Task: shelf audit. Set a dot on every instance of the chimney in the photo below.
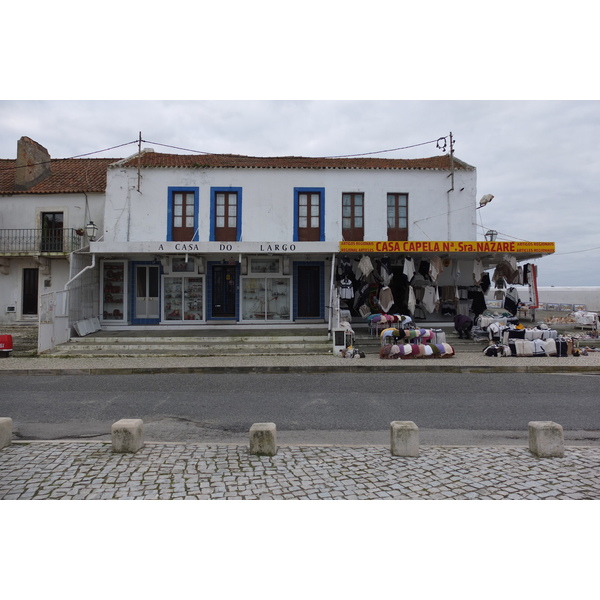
(33, 164)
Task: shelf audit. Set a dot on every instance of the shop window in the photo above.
(265, 292)
(183, 215)
(183, 298)
(397, 217)
(309, 208)
(353, 217)
(226, 210)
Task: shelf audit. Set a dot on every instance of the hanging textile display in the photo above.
(346, 289)
(456, 271)
(344, 268)
(385, 270)
(477, 271)
(366, 266)
(430, 298)
(485, 282)
(408, 268)
(361, 295)
(435, 267)
(386, 299)
(412, 300)
(511, 300)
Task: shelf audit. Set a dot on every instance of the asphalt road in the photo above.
(307, 408)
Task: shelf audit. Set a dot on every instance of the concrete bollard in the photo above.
(263, 439)
(546, 439)
(5, 432)
(404, 438)
(127, 435)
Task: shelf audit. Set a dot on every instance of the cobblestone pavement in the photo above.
(91, 471)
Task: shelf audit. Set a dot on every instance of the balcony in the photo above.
(15, 242)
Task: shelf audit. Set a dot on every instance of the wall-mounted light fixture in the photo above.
(491, 235)
(91, 230)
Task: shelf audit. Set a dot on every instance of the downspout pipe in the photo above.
(331, 296)
(81, 272)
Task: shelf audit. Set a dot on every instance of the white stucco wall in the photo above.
(268, 201)
(24, 211)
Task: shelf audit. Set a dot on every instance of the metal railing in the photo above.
(36, 241)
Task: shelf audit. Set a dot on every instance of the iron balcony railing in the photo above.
(36, 241)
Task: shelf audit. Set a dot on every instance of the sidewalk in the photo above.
(90, 471)
(465, 362)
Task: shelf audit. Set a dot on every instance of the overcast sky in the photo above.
(540, 159)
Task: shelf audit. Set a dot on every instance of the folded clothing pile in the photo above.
(391, 351)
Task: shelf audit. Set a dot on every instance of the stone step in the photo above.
(67, 351)
(202, 340)
(186, 345)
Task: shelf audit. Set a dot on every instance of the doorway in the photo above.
(30, 292)
(223, 291)
(147, 292)
(52, 232)
(308, 284)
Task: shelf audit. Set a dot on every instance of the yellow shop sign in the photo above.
(485, 247)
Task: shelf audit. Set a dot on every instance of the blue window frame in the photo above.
(183, 204)
(309, 214)
(225, 214)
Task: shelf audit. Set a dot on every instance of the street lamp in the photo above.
(91, 229)
(491, 235)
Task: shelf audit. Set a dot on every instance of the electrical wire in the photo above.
(177, 147)
(505, 235)
(383, 151)
(105, 150)
(205, 152)
(576, 251)
(46, 162)
(336, 156)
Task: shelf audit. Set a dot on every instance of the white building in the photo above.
(45, 205)
(204, 240)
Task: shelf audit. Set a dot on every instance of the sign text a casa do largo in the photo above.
(427, 246)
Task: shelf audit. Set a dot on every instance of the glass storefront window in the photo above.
(183, 299)
(266, 298)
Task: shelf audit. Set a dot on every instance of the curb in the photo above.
(350, 368)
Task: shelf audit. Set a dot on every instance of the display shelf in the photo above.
(113, 294)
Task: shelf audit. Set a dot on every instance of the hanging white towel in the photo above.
(477, 271)
(412, 301)
(409, 268)
(365, 265)
(429, 294)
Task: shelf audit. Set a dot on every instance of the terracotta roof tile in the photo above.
(68, 175)
(216, 161)
(76, 175)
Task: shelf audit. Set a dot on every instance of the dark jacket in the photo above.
(461, 322)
